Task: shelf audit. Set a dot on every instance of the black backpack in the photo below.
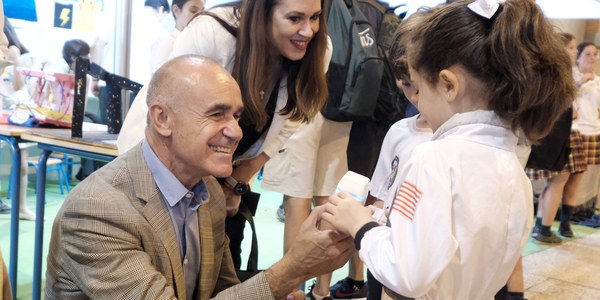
(361, 83)
(391, 102)
(356, 66)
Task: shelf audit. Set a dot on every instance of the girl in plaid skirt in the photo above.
(587, 103)
(562, 178)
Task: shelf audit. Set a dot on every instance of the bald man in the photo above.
(150, 224)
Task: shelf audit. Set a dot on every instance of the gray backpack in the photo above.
(356, 67)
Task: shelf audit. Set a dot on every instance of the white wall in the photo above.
(46, 41)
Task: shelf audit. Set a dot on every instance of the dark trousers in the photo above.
(374, 287)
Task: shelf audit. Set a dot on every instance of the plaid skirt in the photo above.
(577, 162)
(591, 146)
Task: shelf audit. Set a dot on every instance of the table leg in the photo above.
(40, 187)
(15, 183)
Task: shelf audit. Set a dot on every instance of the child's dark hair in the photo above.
(566, 37)
(74, 49)
(515, 54)
(156, 4)
(397, 54)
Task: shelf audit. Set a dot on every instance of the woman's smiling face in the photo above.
(293, 24)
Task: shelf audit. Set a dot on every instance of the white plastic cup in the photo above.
(354, 184)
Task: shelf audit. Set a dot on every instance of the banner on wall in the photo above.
(86, 19)
(63, 15)
(20, 9)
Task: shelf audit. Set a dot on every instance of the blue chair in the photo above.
(56, 162)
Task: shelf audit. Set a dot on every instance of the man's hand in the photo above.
(232, 201)
(296, 295)
(314, 252)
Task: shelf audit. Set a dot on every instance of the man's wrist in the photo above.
(238, 187)
(280, 280)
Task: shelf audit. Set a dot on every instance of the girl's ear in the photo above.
(176, 10)
(448, 84)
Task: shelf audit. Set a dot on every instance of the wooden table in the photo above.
(98, 145)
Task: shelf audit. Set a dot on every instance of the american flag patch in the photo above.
(407, 199)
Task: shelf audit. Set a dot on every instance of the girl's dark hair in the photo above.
(11, 35)
(582, 46)
(180, 4)
(74, 48)
(397, 54)
(306, 82)
(516, 55)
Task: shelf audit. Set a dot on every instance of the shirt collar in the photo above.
(171, 188)
(480, 126)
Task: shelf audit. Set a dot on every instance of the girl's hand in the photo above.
(13, 55)
(346, 214)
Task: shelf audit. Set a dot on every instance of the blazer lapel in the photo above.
(207, 253)
(157, 215)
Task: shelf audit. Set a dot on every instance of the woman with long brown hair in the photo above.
(277, 52)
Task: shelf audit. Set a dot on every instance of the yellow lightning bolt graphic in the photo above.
(64, 16)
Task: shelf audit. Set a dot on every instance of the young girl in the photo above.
(463, 204)
(11, 86)
(587, 105)
(402, 137)
(183, 11)
(562, 183)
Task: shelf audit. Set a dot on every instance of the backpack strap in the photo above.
(252, 265)
(232, 30)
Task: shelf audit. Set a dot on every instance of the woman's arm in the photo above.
(13, 55)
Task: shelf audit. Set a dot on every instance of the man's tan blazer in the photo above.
(113, 239)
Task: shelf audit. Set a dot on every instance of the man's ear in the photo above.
(448, 84)
(161, 119)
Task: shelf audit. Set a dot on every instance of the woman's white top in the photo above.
(587, 104)
(206, 37)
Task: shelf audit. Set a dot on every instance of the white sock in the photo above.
(319, 297)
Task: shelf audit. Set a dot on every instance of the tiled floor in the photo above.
(565, 272)
(568, 271)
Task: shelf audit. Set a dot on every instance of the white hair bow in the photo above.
(485, 8)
